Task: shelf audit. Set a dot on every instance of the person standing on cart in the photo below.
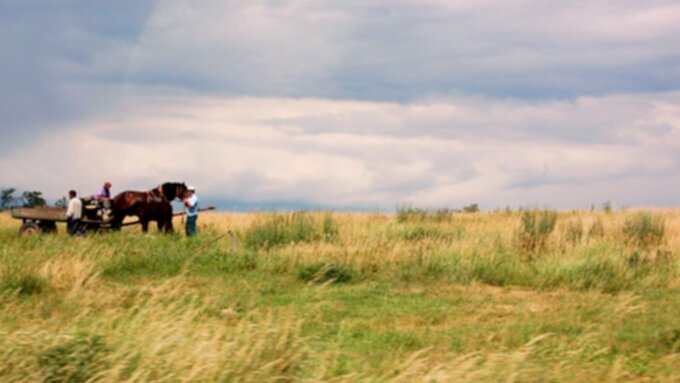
(73, 212)
(191, 207)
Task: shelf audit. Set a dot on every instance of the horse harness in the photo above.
(156, 195)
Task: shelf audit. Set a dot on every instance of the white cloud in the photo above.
(437, 153)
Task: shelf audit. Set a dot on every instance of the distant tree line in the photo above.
(32, 198)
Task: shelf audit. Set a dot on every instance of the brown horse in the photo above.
(151, 205)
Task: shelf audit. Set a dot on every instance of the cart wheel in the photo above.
(90, 228)
(29, 228)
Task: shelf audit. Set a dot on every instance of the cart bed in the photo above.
(56, 214)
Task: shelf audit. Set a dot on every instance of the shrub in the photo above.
(418, 233)
(442, 266)
(75, 360)
(573, 232)
(146, 264)
(472, 208)
(413, 214)
(408, 213)
(324, 272)
(535, 230)
(644, 230)
(330, 227)
(281, 229)
(415, 234)
(23, 282)
(596, 274)
(596, 229)
(220, 262)
(498, 270)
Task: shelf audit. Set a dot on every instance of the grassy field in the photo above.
(419, 296)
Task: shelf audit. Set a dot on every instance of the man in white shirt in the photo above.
(73, 212)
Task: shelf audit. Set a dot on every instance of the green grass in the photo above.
(22, 282)
(277, 229)
(314, 297)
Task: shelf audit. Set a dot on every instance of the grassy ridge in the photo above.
(349, 297)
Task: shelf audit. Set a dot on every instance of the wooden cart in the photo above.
(44, 220)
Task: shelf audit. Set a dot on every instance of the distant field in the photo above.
(414, 297)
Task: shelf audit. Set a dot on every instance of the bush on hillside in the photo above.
(573, 232)
(596, 229)
(644, 230)
(536, 227)
(414, 214)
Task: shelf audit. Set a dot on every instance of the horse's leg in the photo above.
(168, 224)
(145, 224)
(168, 219)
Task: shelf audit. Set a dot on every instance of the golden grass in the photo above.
(265, 325)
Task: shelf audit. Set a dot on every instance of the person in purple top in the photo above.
(104, 198)
(104, 193)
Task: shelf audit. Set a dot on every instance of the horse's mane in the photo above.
(172, 190)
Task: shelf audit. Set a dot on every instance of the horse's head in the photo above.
(172, 190)
(181, 190)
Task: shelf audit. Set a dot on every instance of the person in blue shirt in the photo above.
(191, 207)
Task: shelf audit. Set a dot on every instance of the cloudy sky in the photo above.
(353, 104)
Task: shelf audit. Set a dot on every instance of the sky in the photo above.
(352, 105)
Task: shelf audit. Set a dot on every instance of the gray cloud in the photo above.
(51, 71)
(350, 103)
(406, 50)
(74, 60)
(377, 50)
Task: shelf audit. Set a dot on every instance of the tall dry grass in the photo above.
(378, 300)
(161, 334)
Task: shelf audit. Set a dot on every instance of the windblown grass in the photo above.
(348, 297)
